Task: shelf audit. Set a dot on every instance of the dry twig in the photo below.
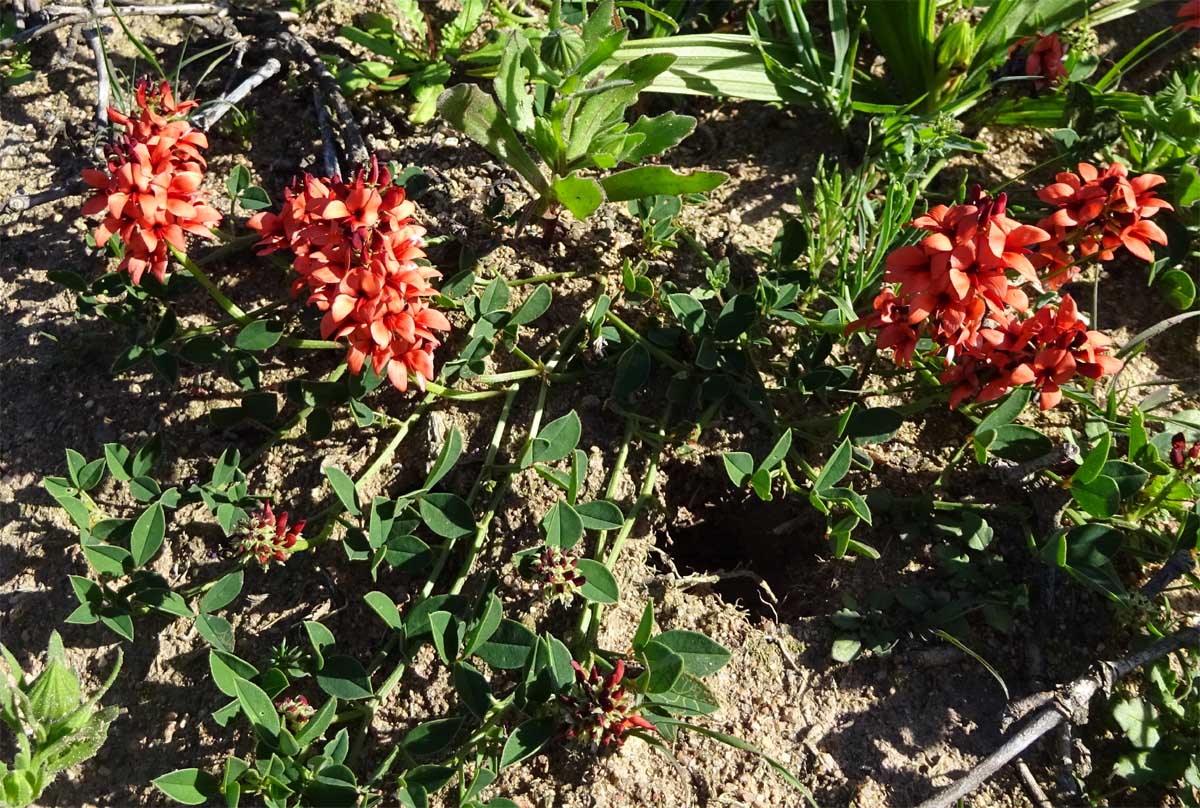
(1070, 703)
(352, 139)
(206, 118)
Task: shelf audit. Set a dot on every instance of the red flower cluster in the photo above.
(1097, 213)
(266, 537)
(600, 710)
(1046, 350)
(150, 191)
(1045, 60)
(355, 247)
(961, 288)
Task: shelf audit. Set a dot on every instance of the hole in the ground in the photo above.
(741, 539)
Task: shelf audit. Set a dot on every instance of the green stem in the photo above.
(234, 245)
(589, 621)
(312, 344)
(249, 461)
(227, 305)
(382, 459)
(658, 352)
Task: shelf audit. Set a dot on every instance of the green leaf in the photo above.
(633, 369)
(216, 631)
(738, 314)
(665, 667)
(107, 559)
(739, 466)
(835, 469)
(383, 606)
(1138, 720)
(1017, 443)
(148, 533)
(223, 592)
(472, 688)
(580, 195)
(778, 452)
(1129, 477)
(1100, 497)
(474, 113)
(1094, 461)
(431, 737)
(557, 439)
(447, 457)
(1178, 287)
(164, 600)
(343, 486)
(873, 425)
(1006, 411)
(846, 648)
(146, 457)
(258, 707)
(117, 458)
(688, 310)
(600, 514)
(189, 786)
(444, 628)
(509, 647)
(661, 133)
(525, 741)
(259, 335)
(645, 627)
(345, 678)
(447, 515)
(226, 669)
(599, 584)
(701, 656)
(563, 526)
(495, 296)
(637, 183)
(510, 84)
(483, 628)
(537, 304)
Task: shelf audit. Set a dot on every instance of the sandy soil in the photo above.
(879, 731)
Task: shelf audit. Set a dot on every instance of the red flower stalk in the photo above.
(600, 710)
(1046, 350)
(558, 573)
(149, 191)
(1045, 60)
(1181, 454)
(355, 248)
(1100, 213)
(961, 288)
(1189, 17)
(266, 538)
(956, 278)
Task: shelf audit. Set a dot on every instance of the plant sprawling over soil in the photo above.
(483, 369)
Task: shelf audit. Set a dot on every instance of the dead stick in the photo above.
(1031, 785)
(352, 139)
(217, 110)
(328, 148)
(20, 202)
(1073, 699)
(92, 35)
(69, 15)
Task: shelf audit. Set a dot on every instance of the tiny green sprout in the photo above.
(55, 725)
